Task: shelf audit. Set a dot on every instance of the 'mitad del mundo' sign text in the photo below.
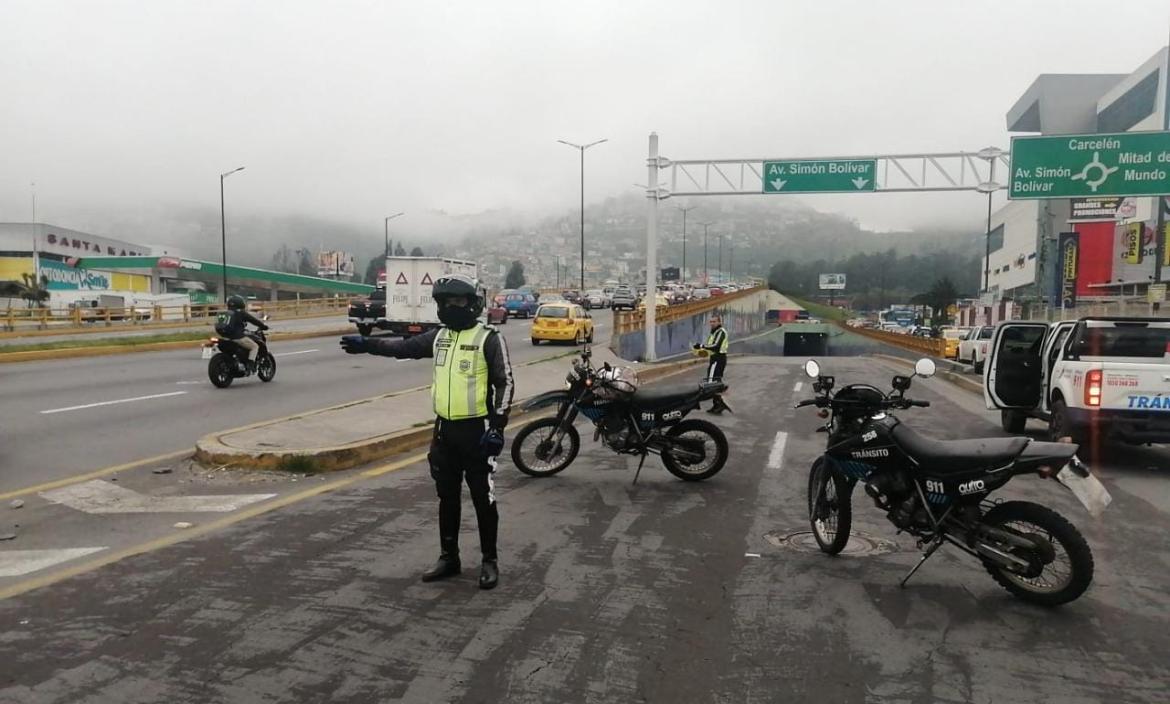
(1086, 165)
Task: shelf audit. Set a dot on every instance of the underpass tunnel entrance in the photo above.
(806, 344)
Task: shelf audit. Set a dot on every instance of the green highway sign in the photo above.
(820, 176)
(1073, 166)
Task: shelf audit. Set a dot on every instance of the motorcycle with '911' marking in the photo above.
(937, 491)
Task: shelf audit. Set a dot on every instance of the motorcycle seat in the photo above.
(666, 396)
(958, 456)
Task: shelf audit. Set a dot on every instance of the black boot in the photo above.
(447, 566)
(251, 367)
(489, 575)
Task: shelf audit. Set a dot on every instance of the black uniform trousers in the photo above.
(456, 457)
(715, 366)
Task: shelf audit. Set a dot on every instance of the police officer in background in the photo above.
(716, 346)
(471, 389)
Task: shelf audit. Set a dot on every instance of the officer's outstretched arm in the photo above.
(416, 347)
(495, 350)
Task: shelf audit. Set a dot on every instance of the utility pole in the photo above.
(705, 226)
(683, 273)
(720, 268)
(581, 148)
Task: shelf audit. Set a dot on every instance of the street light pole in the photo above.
(581, 148)
(720, 269)
(705, 275)
(731, 260)
(386, 222)
(223, 230)
(683, 274)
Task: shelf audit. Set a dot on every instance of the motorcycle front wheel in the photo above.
(221, 370)
(537, 452)
(1061, 565)
(697, 450)
(266, 367)
(829, 510)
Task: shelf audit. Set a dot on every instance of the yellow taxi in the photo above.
(953, 336)
(562, 322)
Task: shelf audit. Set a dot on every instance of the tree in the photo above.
(306, 267)
(284, 259)
(939, 297)
(399, 250)
(372, 270)
(417, 252)
(515, 276)
(35, 292)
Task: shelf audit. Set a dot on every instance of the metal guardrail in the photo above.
(936, 347)
(633, 320)
(74, 318)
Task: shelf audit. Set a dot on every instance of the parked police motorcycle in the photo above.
(229, 363)
(627, 419)
(938, 490)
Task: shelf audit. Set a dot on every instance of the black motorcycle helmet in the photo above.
(454, 317)
(236, 303)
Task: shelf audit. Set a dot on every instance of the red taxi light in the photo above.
(1093, 388)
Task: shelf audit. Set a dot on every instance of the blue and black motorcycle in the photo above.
(627, 419)
(939, 490)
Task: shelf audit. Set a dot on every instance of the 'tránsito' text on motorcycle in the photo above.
(228, 364)
(938, 491)
(628, 420)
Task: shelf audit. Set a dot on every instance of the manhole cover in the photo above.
(859, 545)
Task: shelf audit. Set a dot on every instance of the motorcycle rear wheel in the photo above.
(266, 367)
(535, 453)
(714, 450)
(1060, 579)
(830, 513)
(221, 370)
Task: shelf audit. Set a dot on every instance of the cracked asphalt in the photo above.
(663, 591)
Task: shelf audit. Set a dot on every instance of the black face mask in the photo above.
(457, 317)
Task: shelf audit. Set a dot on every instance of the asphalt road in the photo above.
(64, 417)
(326, 322)
(663, 591)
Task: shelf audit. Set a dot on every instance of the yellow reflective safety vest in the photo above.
(718, 341)
(459, 385)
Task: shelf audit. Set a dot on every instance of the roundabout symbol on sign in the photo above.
(1097, 164)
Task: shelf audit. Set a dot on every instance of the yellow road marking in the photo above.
(96, 474)
(201, 529)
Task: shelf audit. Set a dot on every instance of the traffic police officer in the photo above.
(471, 389)
(716, 346)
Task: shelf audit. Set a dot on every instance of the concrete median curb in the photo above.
(104, 350)
(212, 450)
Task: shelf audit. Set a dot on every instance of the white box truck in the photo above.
(409, 308)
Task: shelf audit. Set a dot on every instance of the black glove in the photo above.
(263, 327)
(696, 346)
(355, 344)
(492, 442)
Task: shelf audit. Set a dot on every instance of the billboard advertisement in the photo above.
(1100, 209)
(832, 282)
(335, 264)
(1069, 253)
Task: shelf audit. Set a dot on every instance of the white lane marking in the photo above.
(289, 354)
(112, 403)
(799, 385)
(751, 554)
(776, 456)
(188, 383)
(14, 563)
(100, 496)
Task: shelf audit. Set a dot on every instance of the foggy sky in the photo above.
(356, 110)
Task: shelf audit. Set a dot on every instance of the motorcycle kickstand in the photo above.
(639, 472)
(935, 545)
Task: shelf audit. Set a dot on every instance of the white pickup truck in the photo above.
(973, 348)
(1095, 379)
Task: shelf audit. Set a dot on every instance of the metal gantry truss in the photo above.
(896, 173)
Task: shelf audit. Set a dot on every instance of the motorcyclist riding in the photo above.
(233, 326)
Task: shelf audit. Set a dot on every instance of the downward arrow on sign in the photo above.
(778, 184)
(860, 182)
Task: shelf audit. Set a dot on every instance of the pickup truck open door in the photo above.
(1013, 377)
(1054, 346)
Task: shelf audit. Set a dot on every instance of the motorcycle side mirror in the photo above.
(924, 368)
(811, 369)
(900, 383)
